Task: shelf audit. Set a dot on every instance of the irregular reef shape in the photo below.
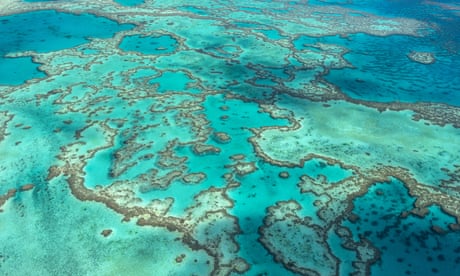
(225, 143)
(296, 242)
(149, 45)
(383, 217)
(361, 137)
(422, 57)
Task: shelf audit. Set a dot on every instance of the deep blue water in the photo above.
(383, 72)
(408, 246)
(46, 31)
(170, 87)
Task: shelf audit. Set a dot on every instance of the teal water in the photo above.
(174, 81)
(129, 3)
(385, 75)
(48, 30)
(229, 138)
(407, 245)
(375, 75)
(16, 71)
(193, 9)
(154, 45)
(45, 31)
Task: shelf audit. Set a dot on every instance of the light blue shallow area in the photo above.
(32, 146)
(45, 31)
(260, 189)
(271, 34)
(45, 224)
(149, 45)
(129, 3)
(174, 81)
(408, 246)
(47, 231)
(32, 1)
(49, 30)
(333, 173)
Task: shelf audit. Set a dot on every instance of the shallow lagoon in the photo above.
(258, 138)
(46, 31)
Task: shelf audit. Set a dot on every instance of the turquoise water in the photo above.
(16, 71)
(193, 9)
(174, 81)
(272, 34)
(239, 138)
(45, 31)
(129, 3)
(375, 77)
(50, 222)
(153, 45)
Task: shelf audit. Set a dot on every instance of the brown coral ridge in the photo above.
(355, 186)
(335, 204)
(222, 137)
(12, 193)
(296, 242)
(8, 195)
(187, 226)
(321, 90)
(242, 168)
(206, 224)
(452, 184)
(194, 178)
(435, 113)
(364, 23)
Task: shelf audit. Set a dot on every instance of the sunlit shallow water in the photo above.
(255, 138)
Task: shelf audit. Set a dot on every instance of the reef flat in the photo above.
(229, 137)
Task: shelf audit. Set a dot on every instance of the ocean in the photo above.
(265, 137)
